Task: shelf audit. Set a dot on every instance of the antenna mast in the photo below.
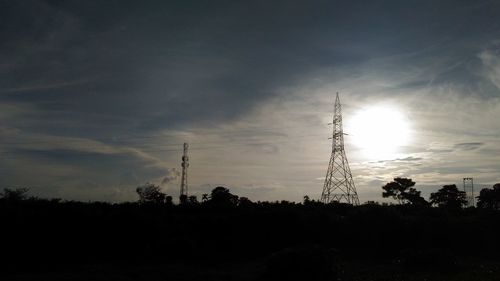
(185, 165)
(339, 185)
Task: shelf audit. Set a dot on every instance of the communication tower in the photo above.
(185, 165)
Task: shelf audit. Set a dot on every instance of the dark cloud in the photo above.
(440, 150)
(165, 63)
(405, 159)
(468, 145)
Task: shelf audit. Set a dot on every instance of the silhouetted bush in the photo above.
(14, 195)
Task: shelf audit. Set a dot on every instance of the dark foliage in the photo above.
(193, 199)
(150, 193)
(489, 198)
(245, 202)
(401, 189)
(449, 197)
(14, 195)
(183, 199)
(221, 197)
(242, 240)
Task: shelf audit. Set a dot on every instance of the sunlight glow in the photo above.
(379, 131)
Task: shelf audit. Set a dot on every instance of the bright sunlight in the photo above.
(379, 131)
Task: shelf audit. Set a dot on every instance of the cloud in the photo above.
(468, 145)
(43, 86)
(48, 143)
(405, 159)
(490, 59)
(171, 175)
(100, 96)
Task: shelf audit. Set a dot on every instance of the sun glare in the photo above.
(379, 131)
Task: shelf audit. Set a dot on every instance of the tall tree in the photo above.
(150, 193)
(221, 197)
(489, 198)
(449, 197)
(401, 189)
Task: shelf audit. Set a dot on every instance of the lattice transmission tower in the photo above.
(469, 191)
(185, 165)
(339, 185)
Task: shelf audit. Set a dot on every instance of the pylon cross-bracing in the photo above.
(339, 185)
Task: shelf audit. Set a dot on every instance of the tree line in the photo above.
(400, 189)
(287, 240)
(449, 196)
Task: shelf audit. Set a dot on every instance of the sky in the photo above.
(97, 97)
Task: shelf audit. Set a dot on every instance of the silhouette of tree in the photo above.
(449, 197)
(489, 198)
(401, 189)
(244, 202)
(193, 200)
(307, 200)
(15, 195)
(413, 197)
(169, 200)
(150, 193)
(183, 199)
(221, 197)
(204, 197)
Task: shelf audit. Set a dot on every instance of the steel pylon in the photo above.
(339, 185)
(469, 191)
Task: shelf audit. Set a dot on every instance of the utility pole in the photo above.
(339, 185)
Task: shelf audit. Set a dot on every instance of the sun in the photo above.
(379, 131)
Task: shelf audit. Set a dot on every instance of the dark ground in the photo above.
(49, 240)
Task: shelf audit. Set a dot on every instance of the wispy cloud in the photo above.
(490, 59)
(469, 145)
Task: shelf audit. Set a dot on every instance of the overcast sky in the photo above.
(97, 97)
